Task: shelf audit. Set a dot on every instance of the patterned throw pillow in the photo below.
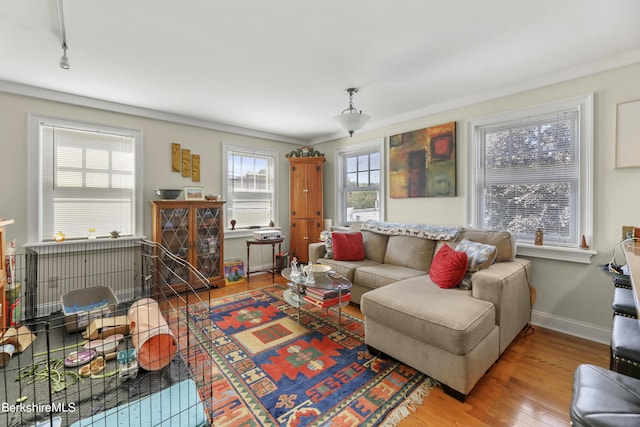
(448, 267)
(480, 256)
(325, 236)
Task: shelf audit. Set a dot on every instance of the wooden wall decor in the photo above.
(195, 167)
(175, 157)
(183, 161)
(186, 162)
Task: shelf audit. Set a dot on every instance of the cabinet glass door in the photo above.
(174, 234)
(208, 241)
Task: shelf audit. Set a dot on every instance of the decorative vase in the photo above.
(233, 224)
(539, 237)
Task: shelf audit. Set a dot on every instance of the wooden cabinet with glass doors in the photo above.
(190, 232)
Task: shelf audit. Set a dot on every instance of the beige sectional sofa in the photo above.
(453, 335)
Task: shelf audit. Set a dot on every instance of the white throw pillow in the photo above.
(325, 236)
(479, 255)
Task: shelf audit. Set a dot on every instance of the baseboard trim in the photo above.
(571, 327)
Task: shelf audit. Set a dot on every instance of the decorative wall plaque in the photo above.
(195, 167)
(175, 157)
(186, 162)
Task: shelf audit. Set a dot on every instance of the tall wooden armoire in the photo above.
(306, 214)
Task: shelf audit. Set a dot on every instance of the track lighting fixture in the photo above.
(64, 60)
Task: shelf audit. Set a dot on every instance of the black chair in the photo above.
(623, 303)
(625, 346)
(604, 398)
(622, 282)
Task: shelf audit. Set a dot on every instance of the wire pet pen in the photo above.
(44, 384)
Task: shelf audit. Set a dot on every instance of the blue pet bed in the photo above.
(178, 405)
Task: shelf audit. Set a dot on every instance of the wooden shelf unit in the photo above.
(306, 204)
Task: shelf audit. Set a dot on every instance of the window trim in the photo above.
(226, 147)
(34, 170)
(584, 104)
(339, 216)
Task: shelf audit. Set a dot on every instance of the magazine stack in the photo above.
(326, 297)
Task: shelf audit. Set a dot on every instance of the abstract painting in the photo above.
(422, 163)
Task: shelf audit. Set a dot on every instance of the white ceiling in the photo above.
(280, 67)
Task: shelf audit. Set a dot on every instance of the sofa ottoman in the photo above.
(442, 332)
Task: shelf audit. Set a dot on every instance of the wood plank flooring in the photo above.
(530, 385)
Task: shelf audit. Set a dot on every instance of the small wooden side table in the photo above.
(273, 243)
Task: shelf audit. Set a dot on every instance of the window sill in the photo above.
(559, 253)
(77, 245)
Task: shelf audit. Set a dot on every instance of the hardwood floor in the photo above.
(530, 385)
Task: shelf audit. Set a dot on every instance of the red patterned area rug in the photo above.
(255, 365)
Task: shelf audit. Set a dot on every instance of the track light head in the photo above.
(64, 60)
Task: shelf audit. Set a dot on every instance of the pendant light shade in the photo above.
(351, 120)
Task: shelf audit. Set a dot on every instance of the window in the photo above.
(532, 169)
(250, 191)
(83, 177)
(360, 178)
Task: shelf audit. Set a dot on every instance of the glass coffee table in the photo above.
(328, 290)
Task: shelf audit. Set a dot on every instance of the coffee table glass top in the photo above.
(322, 280)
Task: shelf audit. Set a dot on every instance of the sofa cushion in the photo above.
(347, 246)
(375, 245)
(447, 318)
(346, 268)
(448, 267)
(479, 255)
(504, 242)
(412, 252)
(377, 275)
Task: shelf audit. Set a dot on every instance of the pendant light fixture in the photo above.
(64, 60)
(351, 120)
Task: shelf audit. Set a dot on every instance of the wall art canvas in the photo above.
(422, 163)
(628, 134)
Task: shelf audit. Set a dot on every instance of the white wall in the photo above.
(575, 298)
(158, 136)
(572, 297)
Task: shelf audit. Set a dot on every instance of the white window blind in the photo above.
(250, 187)
(87, 181)
(528, 176)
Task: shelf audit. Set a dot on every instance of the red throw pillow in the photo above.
(448, 267)
(347, 246)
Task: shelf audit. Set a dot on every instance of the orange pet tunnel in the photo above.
(150, 334)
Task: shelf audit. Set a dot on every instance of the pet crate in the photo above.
(45, 382)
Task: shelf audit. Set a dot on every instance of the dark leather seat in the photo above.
(622, 282)
(604, 398)
(623, 303)
(625, 346)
